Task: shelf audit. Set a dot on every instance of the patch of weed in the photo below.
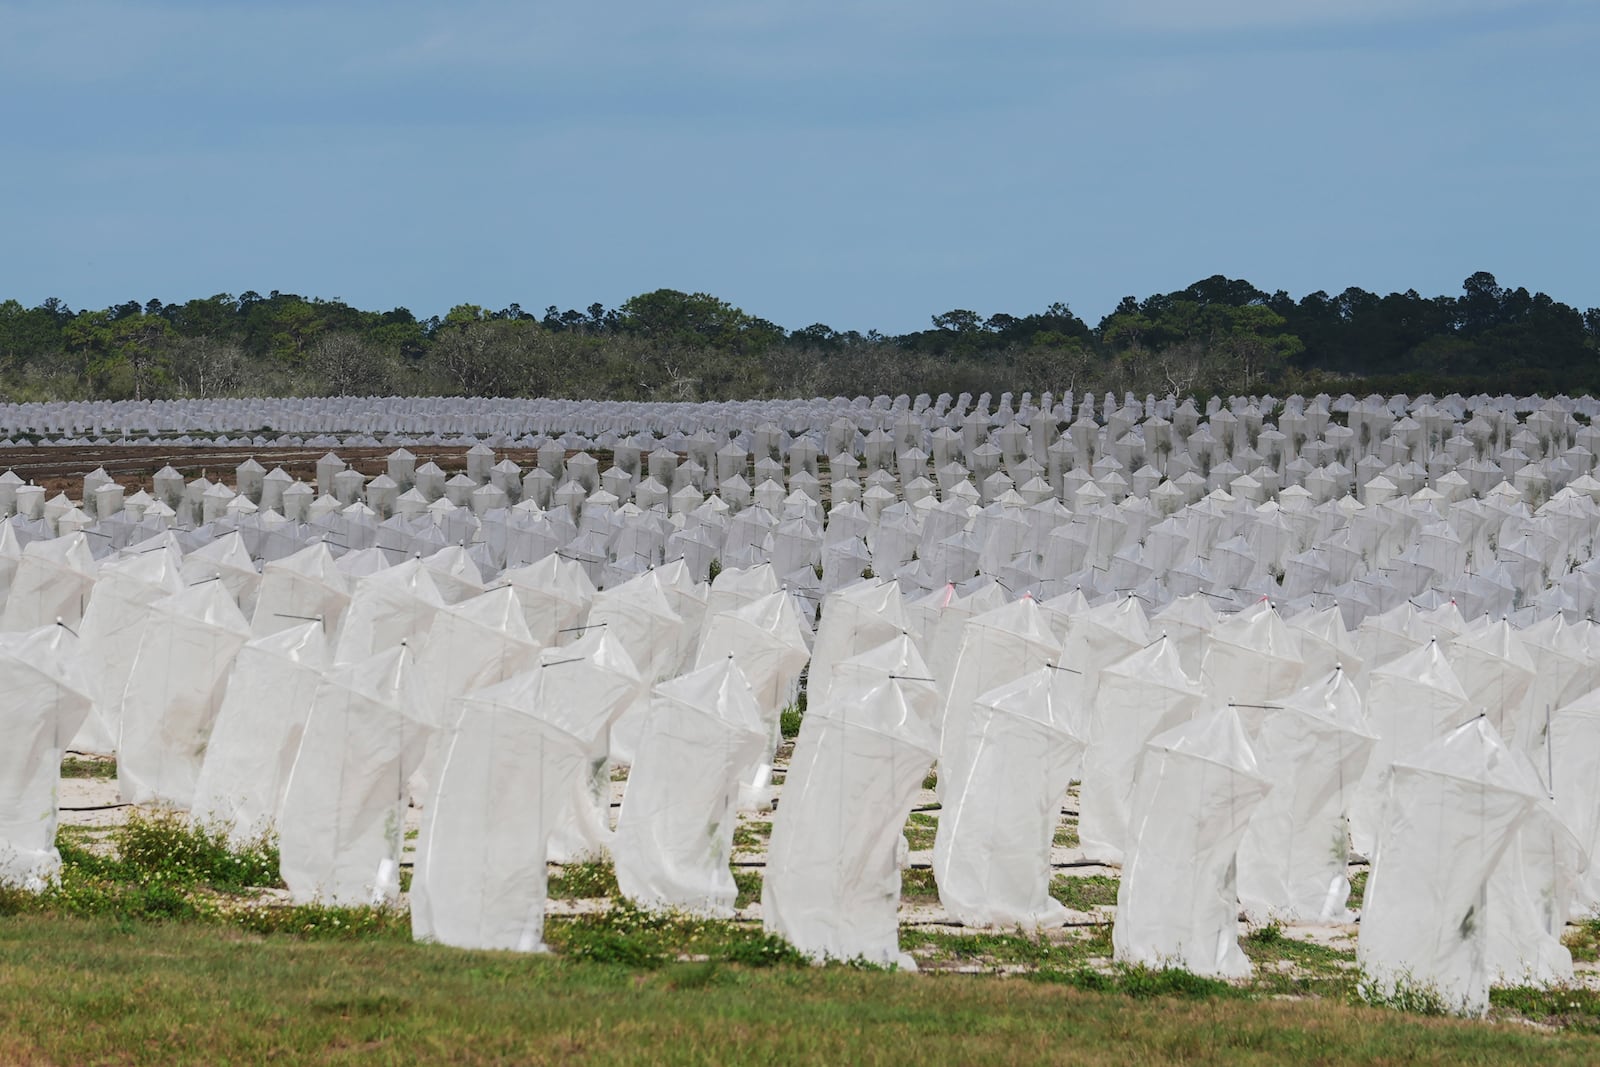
(921, 828)
(1570, 1007)
(748, 883)
(918, 884)
(75, 767)
(751, 835)
(585, 881)
(1085, 892)
(645, 939)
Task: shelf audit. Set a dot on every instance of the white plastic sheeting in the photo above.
(340, 833)
(53, 581)
(675, 831)
(470, 644)
(767, 640)
(394, 605)
(1412, 701)
(44, 699)
(1252, 660)
(1530, 899)
(1571, 758)
(555, 594)
(1177, 904)
(638, 614)
(991, 853)
(175, 689)
(517, 750)
(1453, 808)
(302, 587)
(1293, 859)
(856, 618)
(257, 733)
(113, 625)
(1140, 696)
(832, 885)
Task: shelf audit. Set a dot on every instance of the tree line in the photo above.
(1219, 335)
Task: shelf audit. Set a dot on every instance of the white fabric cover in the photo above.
(227, 560)
(1572, 761)
(53, 581)
(855, 619)
(394, 605)
(675, 832)
(638, 614)
(300, 588)
(555, 594)
(1177, 904)
(1452, 810)
(767, 640)
(1252, 661)
(44, 699)
(1412, 701)
(340, 833)
(832, 886)
(1139, 697)
(257, 732)
(1294, 855)
(469, 645)
(991, 853)
(113, 625)
(517, 750)
(174, 691)
(1530, 898)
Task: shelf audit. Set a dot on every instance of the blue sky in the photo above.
(864, 164)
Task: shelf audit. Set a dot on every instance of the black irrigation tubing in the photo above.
(95, 807)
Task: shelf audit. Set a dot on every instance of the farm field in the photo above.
(211, 967)
(104, 991)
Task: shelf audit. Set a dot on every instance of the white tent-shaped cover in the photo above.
(257, 733)
(1412, 701)
(344, 805)
(44, 699)
(302, 587)
(675, 832)
(991, 854)
(1293, 858)
(1177, 904)
(53, 581)
(1453, 809)
(832, 885)
(394, 605)
(1139, 697)
(517, 751)
(997, 647)
(767, 640)
(174, 692)
(113, 625)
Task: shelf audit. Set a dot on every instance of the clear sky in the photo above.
(862, 163)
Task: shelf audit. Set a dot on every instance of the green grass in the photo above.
(1584, 941)
(1358, 889)
(920, 830)
(751, 835)
(584, 881)
(789, 718)
(74, 767)
(1066, 835)
(86, 991)
(931, 780)
(1084, 892)
(917, 884)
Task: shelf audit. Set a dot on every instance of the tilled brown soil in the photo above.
(61, 469)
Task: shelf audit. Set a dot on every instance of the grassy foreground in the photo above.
(95, 990)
